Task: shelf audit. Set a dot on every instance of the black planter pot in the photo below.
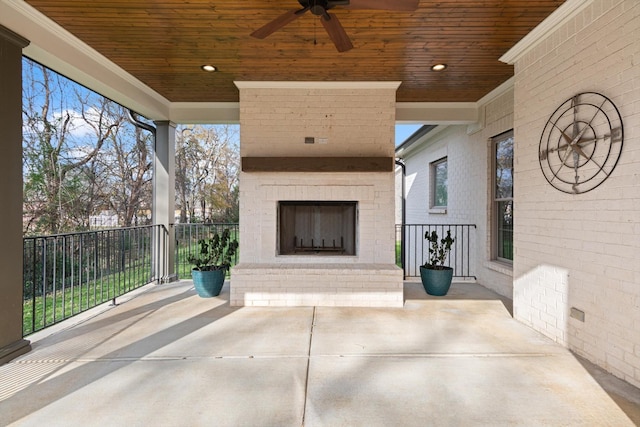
(436, 282)
(208, 283)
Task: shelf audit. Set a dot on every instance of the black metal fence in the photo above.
(66, 274)
(187, 238)
(411, 252)
(412, 249)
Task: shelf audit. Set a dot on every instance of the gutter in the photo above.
(136, 122)
(404, 215)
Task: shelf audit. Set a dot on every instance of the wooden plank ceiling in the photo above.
(164, 42)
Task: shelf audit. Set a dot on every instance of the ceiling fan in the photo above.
(330, 21)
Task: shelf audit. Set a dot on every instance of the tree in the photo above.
(53, 151)
(81, 156)
(207, 166)
(127, 157)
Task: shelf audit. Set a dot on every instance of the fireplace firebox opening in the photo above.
(317, 227)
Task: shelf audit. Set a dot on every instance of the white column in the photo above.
(164, 190)
(11, 342)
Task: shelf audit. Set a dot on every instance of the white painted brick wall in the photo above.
(468, 184)
(345, 285)
(582, 250)
(356, 122)
(260, 193)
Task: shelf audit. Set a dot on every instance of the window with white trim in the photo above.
(502, 195)
(439, 190)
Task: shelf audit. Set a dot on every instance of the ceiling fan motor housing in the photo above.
(319, 7)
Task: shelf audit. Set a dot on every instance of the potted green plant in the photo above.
(436, 277)
(211, 263)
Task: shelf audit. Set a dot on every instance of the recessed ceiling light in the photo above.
(209, 68)
(438, 67)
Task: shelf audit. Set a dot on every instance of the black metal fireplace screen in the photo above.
(317, 227)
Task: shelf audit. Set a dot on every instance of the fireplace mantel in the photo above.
(317, 164)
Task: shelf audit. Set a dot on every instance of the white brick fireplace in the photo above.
(350, 161)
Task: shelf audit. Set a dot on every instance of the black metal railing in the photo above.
(66, 274)
(412, 249)
(187, 237)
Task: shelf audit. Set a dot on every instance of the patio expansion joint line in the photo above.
(438, 355)
(306, 380)
(307, 356)
(150, 359)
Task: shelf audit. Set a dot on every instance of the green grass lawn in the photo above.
(55, 306)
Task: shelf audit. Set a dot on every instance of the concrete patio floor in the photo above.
(169, 358)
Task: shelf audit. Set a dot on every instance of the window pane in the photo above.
(505, 229)
(504, 168)
(440, 191)
(502, 212)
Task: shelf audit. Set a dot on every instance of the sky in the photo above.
(405, 131)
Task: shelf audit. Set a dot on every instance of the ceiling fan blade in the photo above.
(336, 32)
(400, 5)
(278, 23)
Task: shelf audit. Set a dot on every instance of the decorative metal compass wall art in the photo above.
(581, 143)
